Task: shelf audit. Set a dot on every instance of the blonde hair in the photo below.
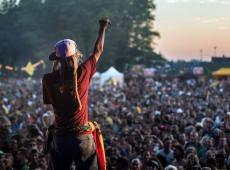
(67, 68)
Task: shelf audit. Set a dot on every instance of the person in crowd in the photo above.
(136, 164)
(140, 123)
(167, 151)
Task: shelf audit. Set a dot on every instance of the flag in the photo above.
(30, 68)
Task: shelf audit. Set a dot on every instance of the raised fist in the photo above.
(105, 22)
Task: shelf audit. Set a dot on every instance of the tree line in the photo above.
(29, 29)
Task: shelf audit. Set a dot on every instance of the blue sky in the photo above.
(189, 26)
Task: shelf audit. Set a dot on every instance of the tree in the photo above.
(32, 27)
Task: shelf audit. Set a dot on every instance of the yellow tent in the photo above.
(222, 72)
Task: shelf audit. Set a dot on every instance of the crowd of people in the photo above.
(148, 123)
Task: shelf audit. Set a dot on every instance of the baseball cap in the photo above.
(63, 49)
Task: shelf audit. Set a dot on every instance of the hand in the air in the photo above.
(105, 22)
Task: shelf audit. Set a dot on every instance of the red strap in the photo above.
(100, 150)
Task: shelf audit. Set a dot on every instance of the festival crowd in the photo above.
(149, 123)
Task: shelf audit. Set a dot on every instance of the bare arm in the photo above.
(99, 45)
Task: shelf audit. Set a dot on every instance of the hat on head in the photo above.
(63, 48)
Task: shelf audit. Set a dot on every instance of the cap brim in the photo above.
(53, 56)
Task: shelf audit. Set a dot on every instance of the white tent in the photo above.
(96, 75)
(112, 75)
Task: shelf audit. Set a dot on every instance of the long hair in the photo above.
(56, 63)
(67, 69)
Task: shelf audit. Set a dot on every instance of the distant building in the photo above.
(221, 60)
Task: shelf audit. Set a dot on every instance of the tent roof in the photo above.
(97, 74)
(222, 72)
(112, 71)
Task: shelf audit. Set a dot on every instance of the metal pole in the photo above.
(201, 54)
(215, 49)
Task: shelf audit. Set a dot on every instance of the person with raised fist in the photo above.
(66, 88)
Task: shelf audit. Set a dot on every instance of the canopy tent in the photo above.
(112, 76)
(222, 72)
(96, 75)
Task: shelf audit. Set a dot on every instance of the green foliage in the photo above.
(29, 30)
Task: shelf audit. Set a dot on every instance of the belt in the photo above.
(78, 130)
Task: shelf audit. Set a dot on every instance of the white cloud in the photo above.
(220, 23)
(177, 1)
(223, 28)
(200, 1)
(209, 20)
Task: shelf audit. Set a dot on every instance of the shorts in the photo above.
(65, 150)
